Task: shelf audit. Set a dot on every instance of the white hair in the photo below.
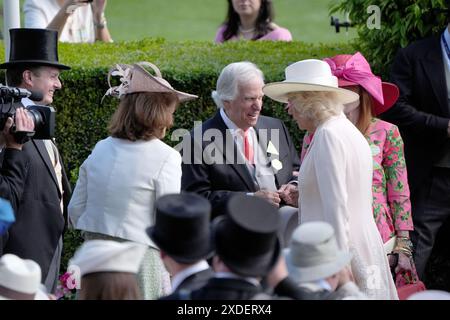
(231, 76)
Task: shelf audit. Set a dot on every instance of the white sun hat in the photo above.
(19, 278)
(308, 75)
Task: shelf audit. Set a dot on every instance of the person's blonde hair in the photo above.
(317, 106)
(143, 116)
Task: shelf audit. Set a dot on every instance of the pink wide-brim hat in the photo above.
(354, 70)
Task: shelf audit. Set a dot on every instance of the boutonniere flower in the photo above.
(273, 154)
(271, 148)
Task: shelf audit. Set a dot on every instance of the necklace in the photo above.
(245, 31)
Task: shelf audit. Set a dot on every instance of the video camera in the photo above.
(42, 116)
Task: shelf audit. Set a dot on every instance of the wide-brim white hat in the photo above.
(313, 253)
(308, 75)
(108, 256)
(19, 278)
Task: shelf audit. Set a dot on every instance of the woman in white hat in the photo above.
(107, 270)
(335, 179)
(120, 181)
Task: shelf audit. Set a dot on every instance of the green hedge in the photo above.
(189, 66)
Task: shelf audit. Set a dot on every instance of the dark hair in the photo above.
(143, 115)
(14, 76)
(262, 26)
(109, 286)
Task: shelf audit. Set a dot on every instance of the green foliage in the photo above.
(193, 67)
(401, 22)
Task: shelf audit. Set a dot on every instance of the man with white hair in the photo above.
(240, 151)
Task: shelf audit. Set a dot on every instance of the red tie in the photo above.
(248, 149)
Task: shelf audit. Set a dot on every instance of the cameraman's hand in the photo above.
(23, 123)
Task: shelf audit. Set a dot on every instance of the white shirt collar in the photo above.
(230, 124)
(231, 275)
(180, 276)
(444, 52)
(27, 102)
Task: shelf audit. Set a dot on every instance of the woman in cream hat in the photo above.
(391, 201)
(335, 179)
(120, 181)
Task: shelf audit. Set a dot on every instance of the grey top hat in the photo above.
(313, 253)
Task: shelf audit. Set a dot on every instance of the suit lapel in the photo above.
(433, 65)
(42, 150)
(230, 149)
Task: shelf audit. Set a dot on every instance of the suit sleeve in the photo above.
(196, 176)
(14, 171)
(405, 113)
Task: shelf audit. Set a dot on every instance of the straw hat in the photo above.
(354, 70)
(308, 75)
(134, 78)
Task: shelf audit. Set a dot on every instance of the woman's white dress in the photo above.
(335, 184)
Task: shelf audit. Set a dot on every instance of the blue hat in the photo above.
(6, 215)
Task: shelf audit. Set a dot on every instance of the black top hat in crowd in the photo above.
(33, 47)
(182, 227)
(246, 237)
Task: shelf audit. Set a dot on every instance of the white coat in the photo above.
(335, 185)
(118, 185)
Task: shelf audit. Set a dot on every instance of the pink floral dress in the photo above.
(391, 203)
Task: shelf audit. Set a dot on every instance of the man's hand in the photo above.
(270, 196)
(289, 194)
(23, 123)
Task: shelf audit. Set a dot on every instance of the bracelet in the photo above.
(102, 23)
(406, 251)
(404, 242)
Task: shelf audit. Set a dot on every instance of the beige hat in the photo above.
(19, 279)
(134, 78)
(313, 253)
(308, 75)
(108, 256)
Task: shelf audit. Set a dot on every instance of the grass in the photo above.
(199, 19)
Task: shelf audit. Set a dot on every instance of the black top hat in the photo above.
(33, 47)
(246, 238)
(182, 227)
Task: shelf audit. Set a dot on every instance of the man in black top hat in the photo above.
(247, 248)
(182, 233)
(40, 218)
